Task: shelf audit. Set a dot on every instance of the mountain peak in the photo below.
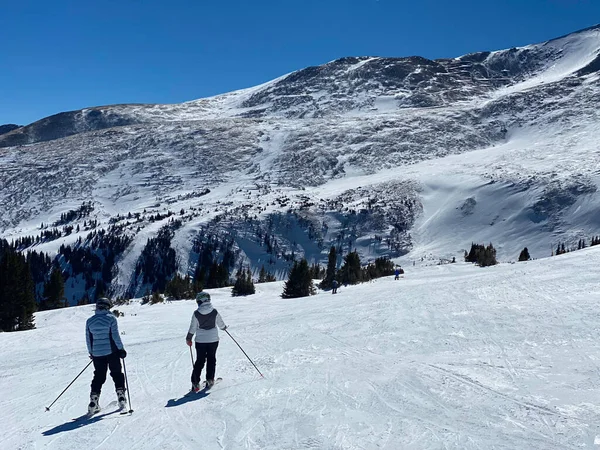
(7, 128)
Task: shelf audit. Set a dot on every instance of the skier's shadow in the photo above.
(202, 394)
(186, 399)
(75, 423)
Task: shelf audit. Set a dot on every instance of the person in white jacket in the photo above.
(205, 321)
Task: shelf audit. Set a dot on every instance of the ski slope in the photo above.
(450, 357)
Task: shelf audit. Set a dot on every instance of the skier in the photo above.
(396, 273)
(334, 285)
(105, 349)
(205, 321)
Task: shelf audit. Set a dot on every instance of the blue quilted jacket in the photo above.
(102, 334)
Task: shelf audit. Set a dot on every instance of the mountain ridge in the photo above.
(93, 118)
(373, 154)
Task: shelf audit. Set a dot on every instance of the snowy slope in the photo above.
(505, 358)
(492, 146)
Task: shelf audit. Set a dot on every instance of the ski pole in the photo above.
(192, 356)
(127, 384)
(88, 365)
(244, 353)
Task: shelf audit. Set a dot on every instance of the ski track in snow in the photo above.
(449, 357)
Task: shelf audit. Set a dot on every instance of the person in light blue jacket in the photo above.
(106, 350)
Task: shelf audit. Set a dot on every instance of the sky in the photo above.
(63, 55)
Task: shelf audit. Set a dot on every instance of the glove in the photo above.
(189, 343)
(91, 357)
(122, 353)
(225, 328)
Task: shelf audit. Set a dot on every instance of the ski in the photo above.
(89, 416)
(204, 388)
(217, 380)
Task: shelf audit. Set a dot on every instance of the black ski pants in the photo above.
(101, 364)
(208, 353)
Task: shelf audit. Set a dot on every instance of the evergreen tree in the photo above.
(54, 291)
(199, 277)
(482, 255)
(218, 276)
(299, 283)
(156, 298)
(316, 272)
(179, 287)
(17, 292)
(524, 255)
(382, 267)
(262, 275)
(330, 271)
(351, 271)
(243, 284)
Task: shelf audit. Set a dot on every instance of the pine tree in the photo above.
(199, 277)
(524, 255)
(299, 283)
(482, 255)
(54, 291)
(243, 284)
(351, 271)
(330, 271)
(249, 283)
(179, 287)
(17, 292)
(262, 275)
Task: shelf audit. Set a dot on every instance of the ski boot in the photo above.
(209, 383)
(94, 405)
(121, 398)
(195, 388)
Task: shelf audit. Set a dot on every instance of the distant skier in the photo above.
(205, 321)
(396, 273)
(334, 286)
(106, 350)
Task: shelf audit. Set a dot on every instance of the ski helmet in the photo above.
(202, 297)
(103, 303)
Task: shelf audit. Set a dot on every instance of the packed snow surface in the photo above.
(448, 357)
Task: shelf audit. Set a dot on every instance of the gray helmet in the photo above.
(202, 297)
(103, 303)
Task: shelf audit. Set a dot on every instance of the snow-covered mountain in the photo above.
(450, 357)
(405, 157)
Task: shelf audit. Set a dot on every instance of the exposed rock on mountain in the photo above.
(391, 156)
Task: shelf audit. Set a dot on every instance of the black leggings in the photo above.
(204, 352)
(101, 363)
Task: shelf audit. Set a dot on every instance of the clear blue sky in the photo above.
(59, 55)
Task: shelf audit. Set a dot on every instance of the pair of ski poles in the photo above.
(88, 365)
(261, 375)
(127, 383)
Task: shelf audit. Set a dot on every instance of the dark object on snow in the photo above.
(524, 255)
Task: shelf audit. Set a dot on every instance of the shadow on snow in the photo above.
(186, 399)
(74, 424)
